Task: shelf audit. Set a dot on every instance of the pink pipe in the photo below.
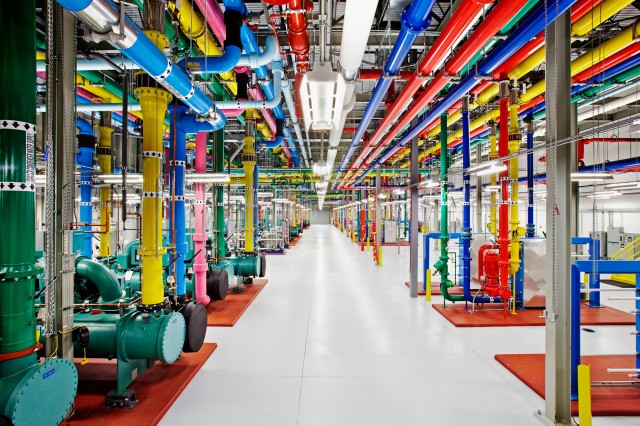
(200, 234)
(213, 14)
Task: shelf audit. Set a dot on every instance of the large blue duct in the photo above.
(415, 19)
(84, 159)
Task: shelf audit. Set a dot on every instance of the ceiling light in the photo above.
(621, 185)
(492, 188)
(398, 191)
(322, 91)
(494, 169)
(320, 168)
(382, 196)
(208, 178)
(591, 176)
(116, 178)
(265, 194)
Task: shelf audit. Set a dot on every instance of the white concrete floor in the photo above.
(334, 340)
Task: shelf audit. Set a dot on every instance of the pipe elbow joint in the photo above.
(411, 24)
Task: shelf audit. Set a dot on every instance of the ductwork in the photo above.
(103, 18)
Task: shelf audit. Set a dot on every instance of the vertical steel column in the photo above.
(413, 226)
(61, 195)
(560, 193)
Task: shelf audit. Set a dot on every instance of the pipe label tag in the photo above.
(49, 373)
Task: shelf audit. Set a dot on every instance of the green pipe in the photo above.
(594, 91)
(25, 384)
(442, 265)
(102, 277)
(518, 16)
(218, 158)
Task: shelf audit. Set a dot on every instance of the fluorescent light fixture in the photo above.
(371, 199)
(116, 178)
(487, 165)
(320, 168)
(322, 185)
(322, 92)
(621, 185)
(398, 191)
(208, 178)
(591, 176)
(599, 197)
(265, 194)
(609, 193)
(494, 169)
(492, 188)
(279, 200)
(382, 196)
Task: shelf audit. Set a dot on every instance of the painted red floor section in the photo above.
(225, 313)
(460, 317)
(401, 244)
(605, 401)
(156, 389)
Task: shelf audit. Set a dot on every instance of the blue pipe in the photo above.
(141, 50)
(415, 19)
(594, 279)
(184, 123)
(177, 158)
(531, 227)
(84, 159)
(525, 32)
(465, 247)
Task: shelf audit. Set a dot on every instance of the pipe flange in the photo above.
(413, 27)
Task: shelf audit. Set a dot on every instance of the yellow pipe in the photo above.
(153, 102)
(427, 287)
(194, 28)
(515, 138)
(493, 154)
(104, 159)
(598, 15)
(249, 164)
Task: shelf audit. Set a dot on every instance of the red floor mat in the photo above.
(605, 401)
(458, 316)
(225, 313)
(293, 242)
(156, 389)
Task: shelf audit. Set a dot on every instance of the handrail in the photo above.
(628, 249)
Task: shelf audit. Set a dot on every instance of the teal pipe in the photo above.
(442, 265)
(102, 277)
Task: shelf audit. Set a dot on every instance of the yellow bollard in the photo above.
(380, 255)
(427, 286)
(584, 395)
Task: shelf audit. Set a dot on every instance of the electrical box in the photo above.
(615, 239)
(602, 237)
(77, 245)
(390, 231)
(628, 239)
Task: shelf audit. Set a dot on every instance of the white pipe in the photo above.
(288, 97)
(95, 107)
(358, 19)
(278, 76)
(84, 64)
(609, 106)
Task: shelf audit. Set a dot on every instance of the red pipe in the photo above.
(375, 74)
(497, 18)
(583, 142)
(615, 59)
(298, 36)
(503, 220)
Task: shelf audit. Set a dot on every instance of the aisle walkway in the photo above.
(334, 340)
